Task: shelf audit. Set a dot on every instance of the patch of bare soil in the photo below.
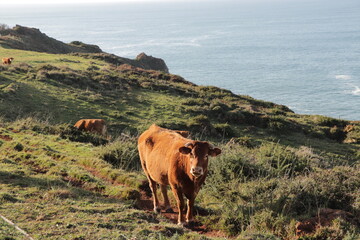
(5, 137)
(324, 218)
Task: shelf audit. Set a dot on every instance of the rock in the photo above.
(150, 62)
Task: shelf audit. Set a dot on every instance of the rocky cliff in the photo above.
(32, 39)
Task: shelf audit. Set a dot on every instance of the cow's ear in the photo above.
(185, 150)
(214, 152)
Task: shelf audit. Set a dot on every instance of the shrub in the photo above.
(255, 119)
(5, 197)
(282, 161)
(338, 230)
(235, 218)
(195, 102)
(336, 134)
(233, 164)
(74, 134)
(235, 116)
(278, 124)
(11, 88)
(336, 188)
(200, 124)
(245, 141)
(170, 124)
(223, 129)
(19, 147)
(328, 122)
(211, 92)
(122, 153)
(3, 26)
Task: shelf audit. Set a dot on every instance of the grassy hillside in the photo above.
(64, 88)
(277, 167)
(57, 189)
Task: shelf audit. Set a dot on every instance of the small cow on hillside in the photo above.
(92, 125)
(7, 60)
(168, 158)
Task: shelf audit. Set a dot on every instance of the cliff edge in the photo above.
(32, 39)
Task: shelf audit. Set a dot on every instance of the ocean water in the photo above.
(303, 54)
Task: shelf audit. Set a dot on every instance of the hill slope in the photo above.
(32, 39)
(57, 189)
(68, 87)
(277, 167)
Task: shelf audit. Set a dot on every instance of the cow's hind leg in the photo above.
(152, 185)
(168, 208)
(153, 188)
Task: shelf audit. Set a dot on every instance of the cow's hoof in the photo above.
(157, 210)
(182, 224)
(169, 210)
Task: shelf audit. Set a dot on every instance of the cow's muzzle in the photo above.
(197, 171)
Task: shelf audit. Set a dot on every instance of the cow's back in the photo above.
(159, 152)
(92, 125)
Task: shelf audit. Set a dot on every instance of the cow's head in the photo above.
(199, 153)
(11, 59)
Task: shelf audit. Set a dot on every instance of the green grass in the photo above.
(277, 167)
(54, 188)
(59, 60)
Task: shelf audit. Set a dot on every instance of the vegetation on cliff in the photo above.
(277, 167)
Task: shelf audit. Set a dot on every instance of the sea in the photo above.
(300, 53)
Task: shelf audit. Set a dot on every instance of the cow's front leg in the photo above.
(180, 204)
(190, 209)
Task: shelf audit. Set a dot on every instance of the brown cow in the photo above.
(7, 60)
(170, 159)
(92, 125)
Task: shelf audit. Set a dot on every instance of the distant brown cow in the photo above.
(92, 125)
(7, 60)
(170, 159)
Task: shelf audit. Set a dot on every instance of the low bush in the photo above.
(223, 129)
(233, 164)
(244, 141)
(73, 134)
(336, 134)
(282, 161)
(195, 102)
(3, 26)
(122, 153)
(200, 124)
(328, 121)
